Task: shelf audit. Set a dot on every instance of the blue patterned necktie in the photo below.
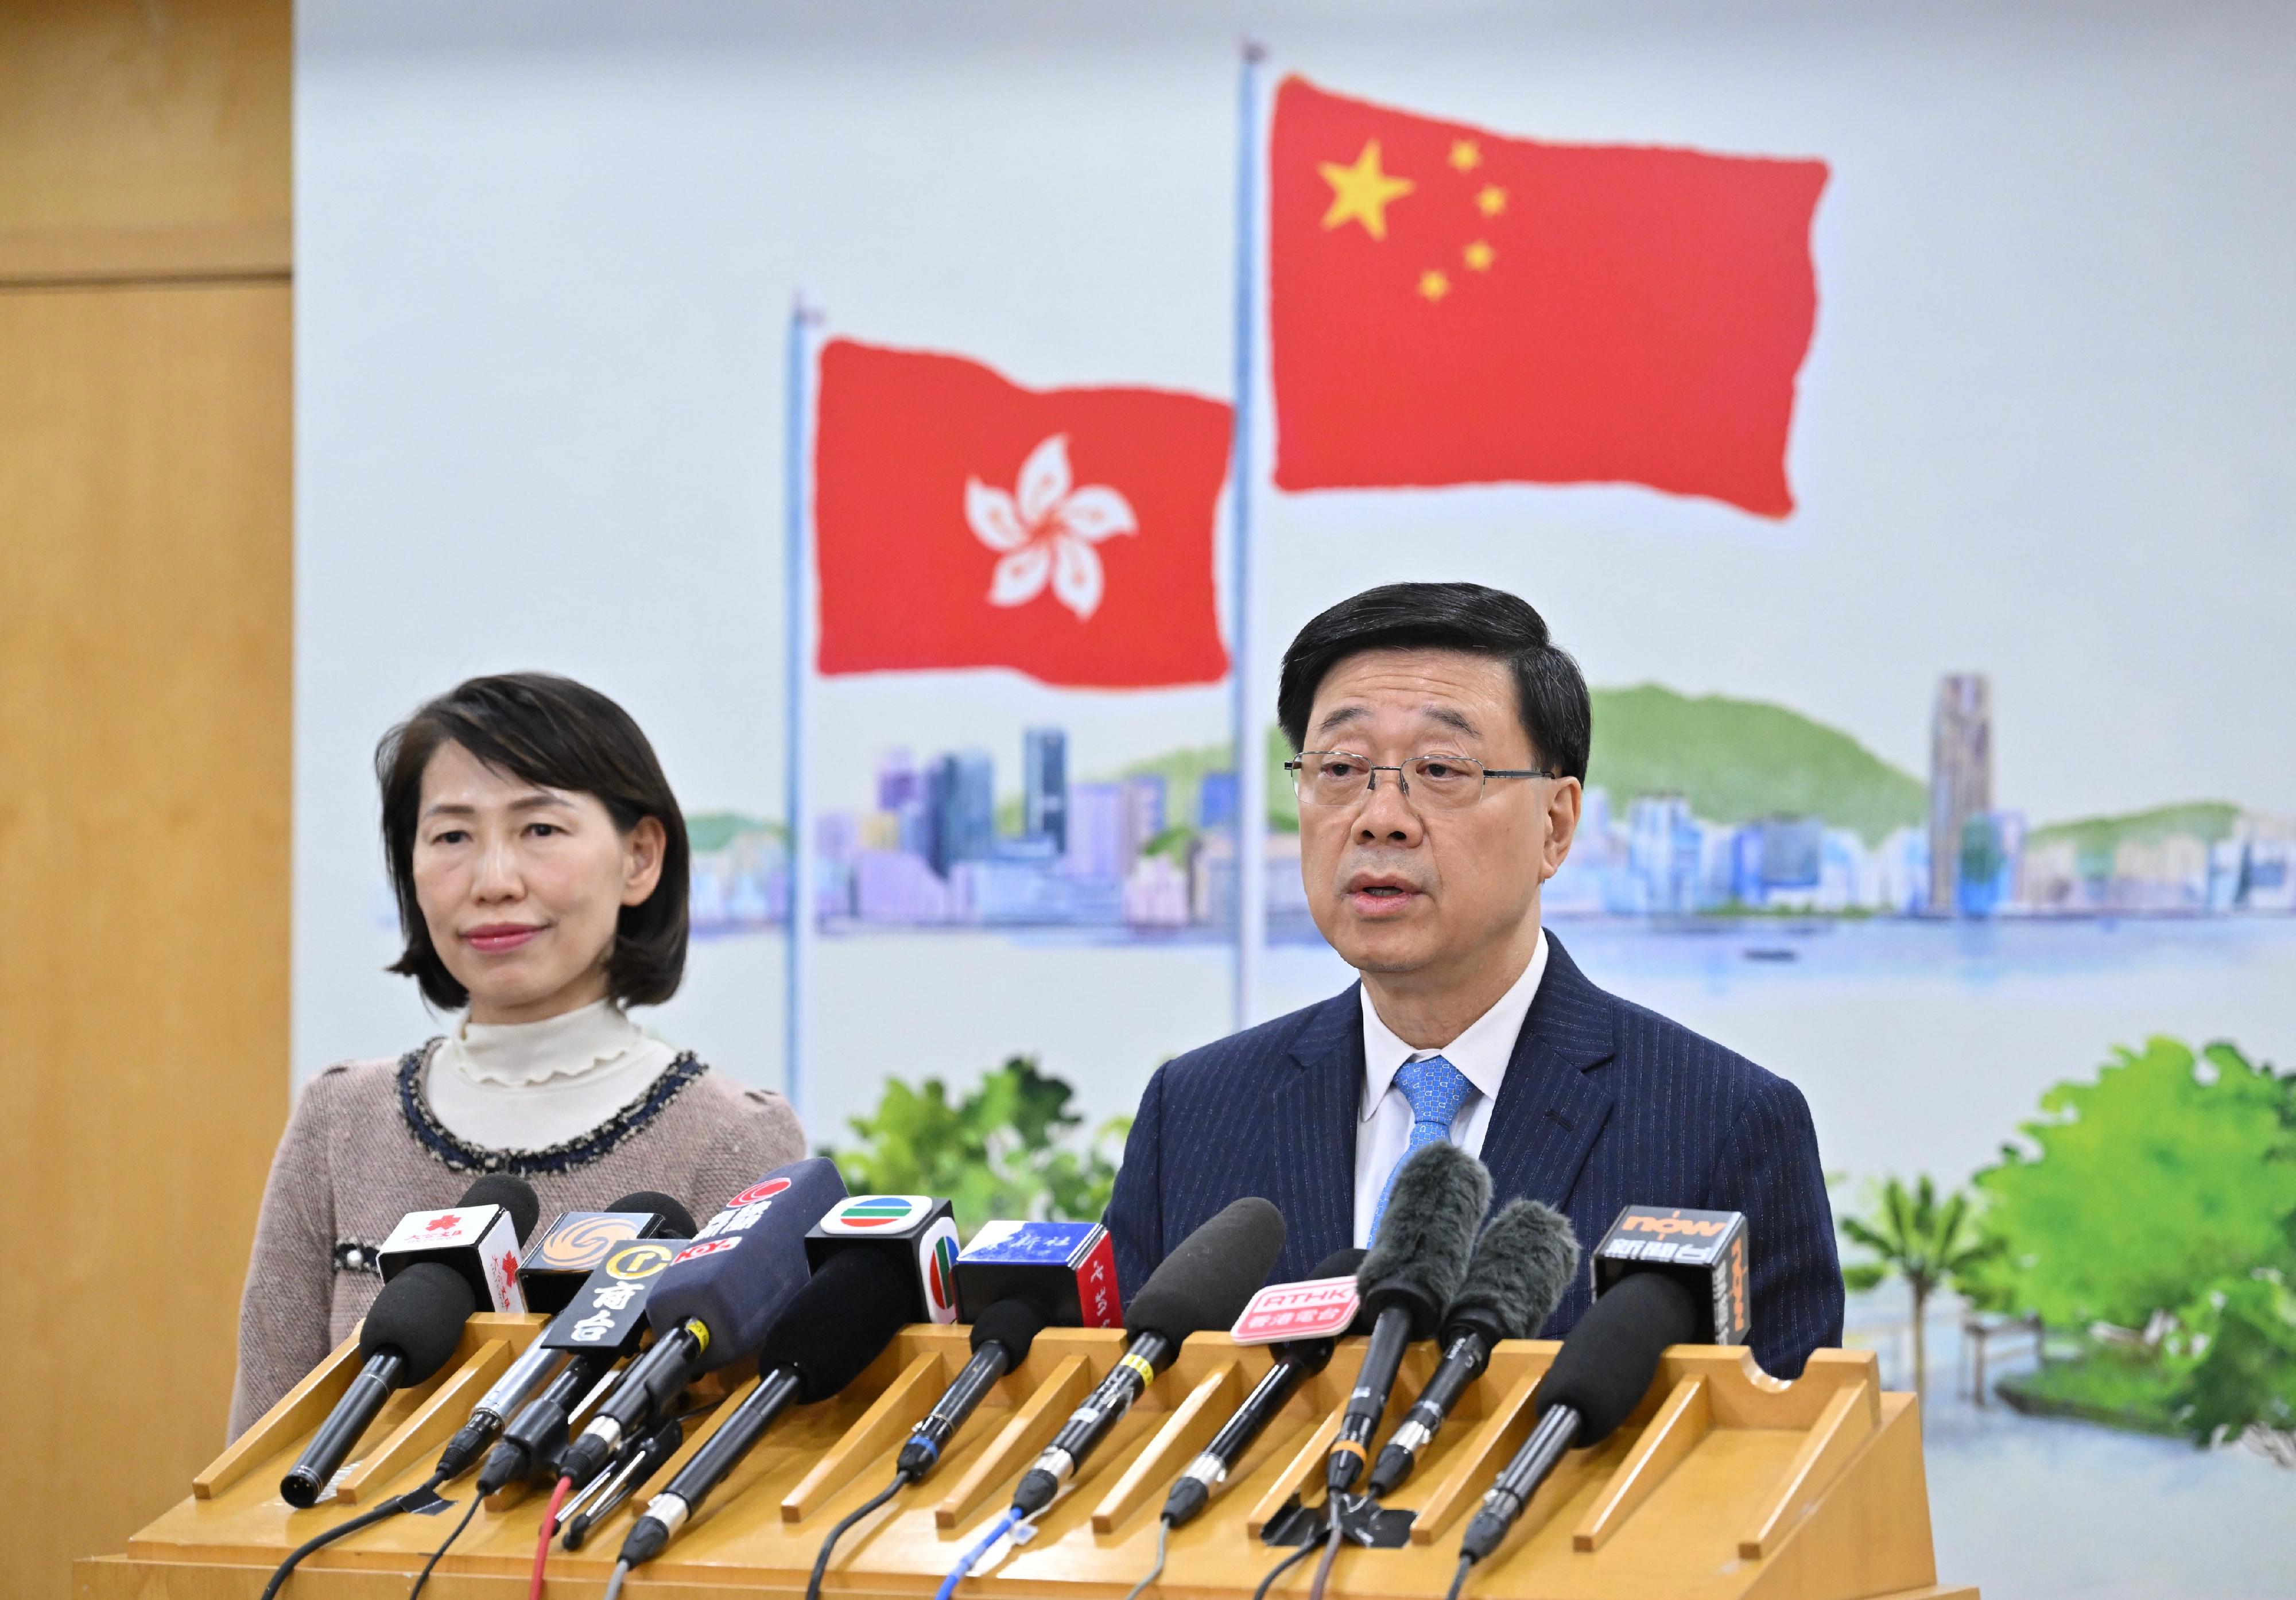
(1435, 1090)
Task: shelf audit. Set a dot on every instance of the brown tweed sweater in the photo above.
(363, 1148)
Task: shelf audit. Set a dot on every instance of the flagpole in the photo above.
(797, 401)
(1251, 758)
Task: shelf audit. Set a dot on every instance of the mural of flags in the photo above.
(964, 520)
(1448, 306)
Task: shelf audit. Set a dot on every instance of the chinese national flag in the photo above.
(966, 522)
(1450, 307)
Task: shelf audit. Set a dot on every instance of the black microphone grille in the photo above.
(677, 1222)
(1426, 1235)
(1340, 1264)
(419, 1314)
(841, 1320)
(513, 1194)
(1014, 1322)
(1605, 1366)
(1522, 1264)
(1212, 1275)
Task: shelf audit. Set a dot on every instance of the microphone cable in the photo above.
(1163, 1537)
(1459, 1578)
(1013, 1520)
(1338, 1509)
(549, 1532)
(614, 1582)
(1282, 1567)
(423, 1577)
(901, 1480)
(365, 1519)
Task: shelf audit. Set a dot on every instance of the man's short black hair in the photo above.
(557, 734)
(1550, 694)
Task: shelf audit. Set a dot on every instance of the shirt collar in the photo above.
(522, 1054)
(1480, 1052)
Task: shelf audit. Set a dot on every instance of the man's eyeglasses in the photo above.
(1339, 777)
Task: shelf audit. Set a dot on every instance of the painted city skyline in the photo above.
(1695, 807)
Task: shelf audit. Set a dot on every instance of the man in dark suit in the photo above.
(1443, 742)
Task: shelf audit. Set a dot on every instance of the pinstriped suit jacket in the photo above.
(1604, 1105)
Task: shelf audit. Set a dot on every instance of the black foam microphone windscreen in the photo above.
(1521, 1265)
(419, 1315)
(1013, 1324)
(841, 1321)
(676, 1221)
(513, 1194)
(1426, 1235)
(1212, 1275)
(1605, 1366)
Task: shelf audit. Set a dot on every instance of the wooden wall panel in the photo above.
(146, 620)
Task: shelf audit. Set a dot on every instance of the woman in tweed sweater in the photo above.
(540, 865)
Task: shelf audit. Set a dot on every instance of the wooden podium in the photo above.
(1725, 1483)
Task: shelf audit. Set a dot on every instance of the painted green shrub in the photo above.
(1009, 1148)
(2168, 1174)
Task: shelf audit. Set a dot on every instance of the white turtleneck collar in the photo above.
(529, 1086)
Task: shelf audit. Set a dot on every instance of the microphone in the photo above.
(1204, 1284)
(916, 1233)
(606, 1322)
(1704, 1250)
(1521, 1265)
(553, 1270)
(410, 1330)
(478, 1236)
(715, 1301)
(1600, 1374)
(1067, 1267)
(833, 1327)
(1000, 1341)
(438, 1267)
(1295, 1363)
(1415, 1266)
(584, 1240)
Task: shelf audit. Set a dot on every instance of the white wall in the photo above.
(546, 253)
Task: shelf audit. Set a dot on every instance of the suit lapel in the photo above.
(1554, 1103)
(1313, 1117)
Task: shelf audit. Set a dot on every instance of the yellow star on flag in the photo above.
(1464, 155)
(1491, 200)
(1362, 193)
(1479, 255)
(1434, 286)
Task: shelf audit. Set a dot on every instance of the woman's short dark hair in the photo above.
(560, 735)
(1550, 694)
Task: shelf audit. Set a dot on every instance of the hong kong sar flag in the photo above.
(1446, 306)
(964, 520)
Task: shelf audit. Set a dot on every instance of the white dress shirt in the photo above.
(529, 1086)
(1481, 1053)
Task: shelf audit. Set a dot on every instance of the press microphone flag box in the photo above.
(481, 1242)
(556, 1265)
(1068, 1268)
(1315, 1309)
(1706, 1250)
(917, 1231)
(608, 1311)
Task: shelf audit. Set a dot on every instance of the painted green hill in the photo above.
(1738, 760)
(2098, 839)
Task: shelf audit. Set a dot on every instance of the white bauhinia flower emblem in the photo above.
(1045, 533)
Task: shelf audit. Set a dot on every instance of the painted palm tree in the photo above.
(1915, 1237)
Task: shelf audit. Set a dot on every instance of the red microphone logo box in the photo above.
(481, 1242)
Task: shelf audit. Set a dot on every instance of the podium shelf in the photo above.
(1726, 1483)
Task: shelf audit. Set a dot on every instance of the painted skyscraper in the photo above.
(1045, 779)
(1961, 777)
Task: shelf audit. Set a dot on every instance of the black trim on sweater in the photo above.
(459, 1155)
